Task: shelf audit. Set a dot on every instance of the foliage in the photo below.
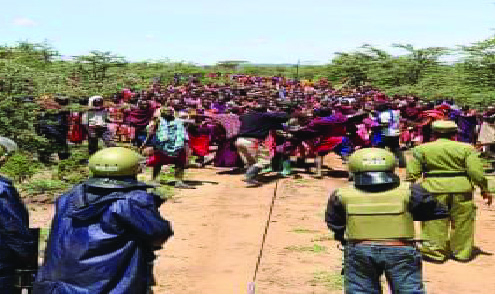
(303, 231)
(73, 170)
(20, 166)
(333, 281)
(43, 186)
(315, 248)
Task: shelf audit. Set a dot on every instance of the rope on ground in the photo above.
(260, 255)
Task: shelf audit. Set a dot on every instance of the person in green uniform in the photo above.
(450, 170)
(373, 218)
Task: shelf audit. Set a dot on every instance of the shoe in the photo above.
(182, 185)
(252, 172)
(267, 170)
(432, 260)
(252, 182)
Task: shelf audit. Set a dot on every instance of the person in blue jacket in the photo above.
(104, 231)
(16, 242)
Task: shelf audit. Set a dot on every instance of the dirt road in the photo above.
(218, 231)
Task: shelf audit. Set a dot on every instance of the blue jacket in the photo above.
(102, 240)
(16, 242)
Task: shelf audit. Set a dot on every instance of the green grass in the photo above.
(303, 231)
(322, 238)
(164, 191)
(44, 232)
(331, 280)
(314, 249)
(44, 186)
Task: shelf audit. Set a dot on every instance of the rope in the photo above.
(266, 231)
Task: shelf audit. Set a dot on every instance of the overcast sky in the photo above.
(259, 31)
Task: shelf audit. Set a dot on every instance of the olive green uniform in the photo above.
(450, 170)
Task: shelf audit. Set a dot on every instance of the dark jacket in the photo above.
(102, 240)
(54, 125)
(422, 206)
(16, 243)
(257, 125)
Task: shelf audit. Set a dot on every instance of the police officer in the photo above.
(373, 218)
(450, 169)
(104, 231)
(16, 243)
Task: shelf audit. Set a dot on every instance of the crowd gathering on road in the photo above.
(105, 229)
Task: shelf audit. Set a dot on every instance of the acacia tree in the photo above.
(95, 67)
(421, 60)
(479, 63)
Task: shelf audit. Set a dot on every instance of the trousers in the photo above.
(454, 235)
(253, 152)
(364, 264)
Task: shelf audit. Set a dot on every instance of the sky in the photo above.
(258, 31)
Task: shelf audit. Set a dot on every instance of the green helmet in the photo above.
(115, 161)
(443, 126)
(371, 166)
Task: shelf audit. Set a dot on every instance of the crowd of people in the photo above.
(106, 228)
(255, 123)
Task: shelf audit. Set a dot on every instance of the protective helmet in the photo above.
(115, 161)
(444, 126)
(372, 166)
(7, 146)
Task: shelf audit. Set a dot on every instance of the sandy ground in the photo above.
(219, 227)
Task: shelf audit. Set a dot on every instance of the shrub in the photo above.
(20, 166)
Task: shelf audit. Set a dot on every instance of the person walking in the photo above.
(170, 141)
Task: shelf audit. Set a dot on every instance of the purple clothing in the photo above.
(227, 155)
(330, 126)
(230, 122)
(467, 127)
(220, 107)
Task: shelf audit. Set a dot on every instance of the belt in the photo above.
(445, 174)
(392, 243)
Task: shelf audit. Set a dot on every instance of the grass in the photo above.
(322, 238)
(44, 232)
(301, 182)
(303, 231)
(314, 249)
(163, 190)
(43, 186)
(333, 281)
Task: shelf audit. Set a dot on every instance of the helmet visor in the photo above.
(375, 178)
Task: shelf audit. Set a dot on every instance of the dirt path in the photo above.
(218, 231)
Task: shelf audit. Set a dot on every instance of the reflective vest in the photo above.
(378, 215)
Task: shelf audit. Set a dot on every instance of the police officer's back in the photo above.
(450, 170)
(16, 243)
(104, 231)
(374, 217)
